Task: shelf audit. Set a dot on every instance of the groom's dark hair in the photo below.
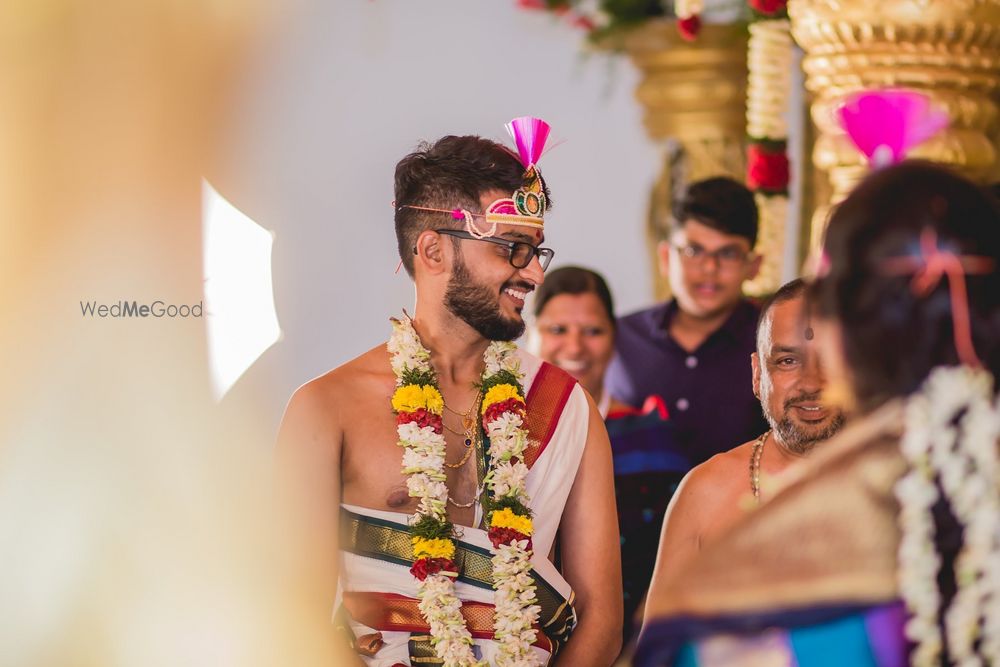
(452, 173)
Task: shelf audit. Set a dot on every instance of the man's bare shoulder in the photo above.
(708, 499)
(327, 394)
(371, 366)
(726, 462)
(721, 473)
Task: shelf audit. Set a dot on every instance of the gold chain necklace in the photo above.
(470, 439)
(755, 453)
(451, 430)
(469, 416)
(465, 456)
(470, 423)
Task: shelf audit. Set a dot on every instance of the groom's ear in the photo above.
(432, 255)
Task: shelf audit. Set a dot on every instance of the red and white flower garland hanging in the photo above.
(418, 405)
(769, 86)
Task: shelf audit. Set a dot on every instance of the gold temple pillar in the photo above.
(694, 97)
(946, 49)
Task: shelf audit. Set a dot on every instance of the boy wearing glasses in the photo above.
(438, 470)
(694, 350)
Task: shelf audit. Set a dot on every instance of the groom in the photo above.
(469, 226)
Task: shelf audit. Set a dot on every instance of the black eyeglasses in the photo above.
(727, 256)
(520, 253)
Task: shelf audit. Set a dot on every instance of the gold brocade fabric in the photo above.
(388, 541)
(828, 535)
(422, 651)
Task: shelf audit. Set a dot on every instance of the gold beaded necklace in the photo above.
(755, 453)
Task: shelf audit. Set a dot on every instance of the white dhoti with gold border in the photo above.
(378, 593)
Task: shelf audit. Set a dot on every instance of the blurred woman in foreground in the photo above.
(884, 549)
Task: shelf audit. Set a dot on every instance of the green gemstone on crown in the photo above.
(520, 202)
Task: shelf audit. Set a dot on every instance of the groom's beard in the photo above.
(478, 306)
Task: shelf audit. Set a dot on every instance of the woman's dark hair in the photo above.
(574, 280)
(892, 337)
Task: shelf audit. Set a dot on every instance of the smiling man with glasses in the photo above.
(694, 350)
(519, 253)
(437, 470)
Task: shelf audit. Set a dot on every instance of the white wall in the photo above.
(351, 87)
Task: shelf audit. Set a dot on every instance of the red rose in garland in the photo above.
(500, 536)
(768, 7)
(421, 418)
(689, 27)
(427, 566)
(767, 169)
(512, 405)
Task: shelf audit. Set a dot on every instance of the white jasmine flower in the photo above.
(414, 461)
(509, 477)
(412, 434)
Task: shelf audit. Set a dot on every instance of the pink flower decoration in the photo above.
(529, 135)
(885, 125)
(583, 23)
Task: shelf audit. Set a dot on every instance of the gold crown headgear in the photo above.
(526, 206)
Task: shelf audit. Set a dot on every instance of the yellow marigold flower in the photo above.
(505, 518)
(408, 398)
(498, 394)
(412, 397)
(436, 548)
(433, 400)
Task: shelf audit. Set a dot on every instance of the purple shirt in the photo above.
(708, 392)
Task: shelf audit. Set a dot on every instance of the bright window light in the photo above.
(239, 299)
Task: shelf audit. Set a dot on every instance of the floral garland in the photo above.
(689, 18)
(573, 17)
(418, 405)
(769, 87)
(603, 20)
(963, 460)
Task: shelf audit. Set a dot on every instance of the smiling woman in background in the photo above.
(575, 324)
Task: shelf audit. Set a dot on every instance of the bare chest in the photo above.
(371, 464)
